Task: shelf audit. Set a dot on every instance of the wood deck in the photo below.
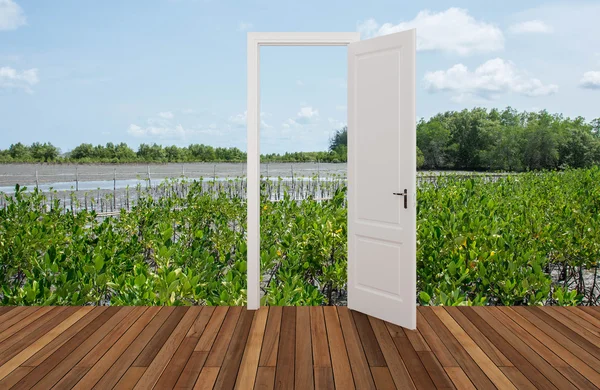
(302, 348)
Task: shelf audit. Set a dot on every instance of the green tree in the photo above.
(124, 153)
(339, 144)
(432, 140)
(82, 151)
(44, 152)
(19, 152)
(151, 153)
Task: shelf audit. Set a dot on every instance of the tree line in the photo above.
(154, 153)
(476, 139)
(506, 140)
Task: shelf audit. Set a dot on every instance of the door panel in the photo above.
(382, 162)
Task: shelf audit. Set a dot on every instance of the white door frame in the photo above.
(255, 41)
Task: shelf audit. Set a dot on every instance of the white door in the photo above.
(382, 178)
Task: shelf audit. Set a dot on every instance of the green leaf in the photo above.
(98, 263)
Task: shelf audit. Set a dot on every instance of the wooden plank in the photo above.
(591, 324)
(320, 348)
(16, 316)
(436, 372)
(541, 349)
(92, 357)
(342, 374)
(176, 365)
(58, 342)
(270, 346)
(368, 340)
(231, 363)
(441, 352)
(212, 329)
(517, 378)
(459, 378)
(219, 349)
(199, 326)
(565, 354)
(572, 323)
(557, 336)
(567, 331)
(64, 358)
(383, 378)
(416, 339)
(482, 342)
(591, 310)
(185, 366)
(477, 354)
(578, 311)
(518, 360)
(27, 324)
(415, 367)
(130, 378)
(4, 310)
(121, 366)
(284, 373)
(304, 364)
(265, 378)
(150, 351)
(192, 370)
(536, 369)
(249, 365)
(14, 377)
(40, 343)
(207, 378)
(466, 362)
(324, 378)
(19, 341)
(358, 361)
(155, 369)
(395, 364)
(542, 345)
(101, 366)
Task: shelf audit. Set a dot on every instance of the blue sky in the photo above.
(174, 71)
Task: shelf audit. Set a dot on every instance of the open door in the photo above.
(382, 178)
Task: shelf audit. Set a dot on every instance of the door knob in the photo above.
(405, 194)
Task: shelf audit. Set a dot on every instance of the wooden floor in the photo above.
(302, 348)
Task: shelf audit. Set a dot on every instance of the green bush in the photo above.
(527, 239)
(497, 243)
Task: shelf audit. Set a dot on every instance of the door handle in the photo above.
(405, 194)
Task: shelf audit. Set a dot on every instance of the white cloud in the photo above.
(244, 26)
(306, 116)
(490, 79)
(453, 30)
(11, 15)
(590, 80)
(299, 83)
(166, 114)
(239, 120)
(169, 132)
(341, 107)
(11, 78)
(530, 26)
